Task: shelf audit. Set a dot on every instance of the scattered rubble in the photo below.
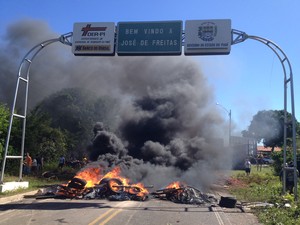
(90, 184)
(181, 193)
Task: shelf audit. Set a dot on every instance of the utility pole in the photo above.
(229, 128)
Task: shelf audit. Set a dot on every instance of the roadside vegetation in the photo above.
(262, 192)
(37, 181)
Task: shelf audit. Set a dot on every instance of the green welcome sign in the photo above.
(149, 38)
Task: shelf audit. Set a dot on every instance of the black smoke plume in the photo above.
(168, 125)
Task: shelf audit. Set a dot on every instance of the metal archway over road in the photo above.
(199, 38)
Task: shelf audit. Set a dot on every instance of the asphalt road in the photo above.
(94, 212)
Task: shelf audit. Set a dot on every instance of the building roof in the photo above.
(267, 149)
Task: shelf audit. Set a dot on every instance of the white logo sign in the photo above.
(207, 37)
(93, 39)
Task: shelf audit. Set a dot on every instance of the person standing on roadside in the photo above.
(40, 163)
(28, 163)
(247, 167)
(61, 162)
(34, 166)
(289, 177)
(259, 162)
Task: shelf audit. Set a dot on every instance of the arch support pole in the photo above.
(238, 37)
(23, 76)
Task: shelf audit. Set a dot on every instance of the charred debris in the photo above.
(113, 187)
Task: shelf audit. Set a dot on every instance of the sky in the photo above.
(247, 80)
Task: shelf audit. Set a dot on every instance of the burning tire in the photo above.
(134, 190)
(77, 183)
(112, 185)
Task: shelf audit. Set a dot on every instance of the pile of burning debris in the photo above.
(90, 184)
(181, 193)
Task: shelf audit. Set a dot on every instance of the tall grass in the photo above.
(264, 186)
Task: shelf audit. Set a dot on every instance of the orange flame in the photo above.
(138, 189)
(115, 173)
(143, 190)
(176, 185)
(91, 175)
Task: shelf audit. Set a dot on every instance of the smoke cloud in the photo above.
(169, 127)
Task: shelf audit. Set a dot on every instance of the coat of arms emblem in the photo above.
(207, 31)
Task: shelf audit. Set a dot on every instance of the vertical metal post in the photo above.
(229, 127)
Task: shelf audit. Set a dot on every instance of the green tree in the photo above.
(44, 140)
(268, 126)
(15, 138)
(4, 122)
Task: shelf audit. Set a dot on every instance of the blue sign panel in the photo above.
(149, 38)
